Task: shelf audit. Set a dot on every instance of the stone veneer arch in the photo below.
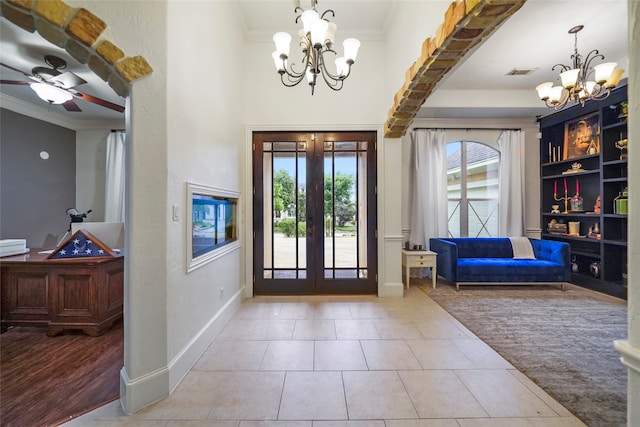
(77, 31)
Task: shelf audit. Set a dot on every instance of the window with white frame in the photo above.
(472, 189)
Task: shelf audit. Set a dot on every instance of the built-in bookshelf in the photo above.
(583, 150)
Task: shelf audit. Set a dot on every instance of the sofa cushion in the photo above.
(489, 247)
(509, 270)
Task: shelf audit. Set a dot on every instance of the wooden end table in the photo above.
(419, 259)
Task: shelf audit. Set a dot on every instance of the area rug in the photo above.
(563, 341)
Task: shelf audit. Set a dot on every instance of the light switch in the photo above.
(176, 212)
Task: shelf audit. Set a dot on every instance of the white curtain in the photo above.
(511, 186)
(429, 186)
(115, 176)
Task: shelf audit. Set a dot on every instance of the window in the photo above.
(472, 189)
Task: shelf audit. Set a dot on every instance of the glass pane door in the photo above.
(314, 213)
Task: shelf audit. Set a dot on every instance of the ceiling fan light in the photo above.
(283, 43)
(614, 79)
(604, 71)
(50, 93)
(351, 47)
(544, 90)
(570, 78)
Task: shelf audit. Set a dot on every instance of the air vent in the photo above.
(521, 71)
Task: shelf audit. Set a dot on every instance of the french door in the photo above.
(314, 213)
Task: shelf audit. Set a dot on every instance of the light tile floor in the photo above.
(346, 361)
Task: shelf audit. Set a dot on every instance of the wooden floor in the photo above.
(45, 381)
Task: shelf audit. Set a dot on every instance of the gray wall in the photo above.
(35, 193)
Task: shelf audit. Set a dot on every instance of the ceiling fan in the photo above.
(56, 87)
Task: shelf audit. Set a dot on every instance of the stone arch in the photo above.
(78, 31)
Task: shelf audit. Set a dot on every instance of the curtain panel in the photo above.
(511, 183)
(429, 212)
(115, 178)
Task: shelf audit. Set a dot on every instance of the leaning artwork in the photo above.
(582, 136)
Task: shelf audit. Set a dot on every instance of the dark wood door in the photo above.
(314, 213)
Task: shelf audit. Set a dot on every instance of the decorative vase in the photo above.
(574, 228)
(576, 203)
(574, 265)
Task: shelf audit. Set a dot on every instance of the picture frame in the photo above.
(582, 136)
(211, 224)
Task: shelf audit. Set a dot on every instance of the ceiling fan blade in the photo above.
(68, 79)
(98, 101)
(15, 69)
(70, 105)
(14, 82)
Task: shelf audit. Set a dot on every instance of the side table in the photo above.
(419, 259)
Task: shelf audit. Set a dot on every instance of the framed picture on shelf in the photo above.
(582, 136)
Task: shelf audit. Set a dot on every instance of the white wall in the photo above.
(410, 24)
(205, 144)
(91, 152)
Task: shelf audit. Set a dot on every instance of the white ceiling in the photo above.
(535, 37)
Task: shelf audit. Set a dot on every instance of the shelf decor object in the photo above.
(582, 136)
(621, 145)
(620, 203)
(564, 199)
(580, 81)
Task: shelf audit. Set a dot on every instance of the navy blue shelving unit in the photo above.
(603, 174)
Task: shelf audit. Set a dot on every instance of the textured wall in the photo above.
(35, 193)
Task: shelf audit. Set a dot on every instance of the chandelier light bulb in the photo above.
(308, 18)
(570, 78)
(331, 33)
(604, 71)
(319, 32)
(283, 43)
(342, 67)
(351, 47)
(555, 94)
(614, 79)
(280, 64)
(544, 89)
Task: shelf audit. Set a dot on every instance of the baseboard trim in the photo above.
(156, 385)
(143, 391)
(392, 290)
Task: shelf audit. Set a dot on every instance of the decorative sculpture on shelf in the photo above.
(596, 206)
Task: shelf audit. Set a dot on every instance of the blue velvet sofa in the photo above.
(479, 261)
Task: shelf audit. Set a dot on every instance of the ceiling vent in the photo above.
(521, 71)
